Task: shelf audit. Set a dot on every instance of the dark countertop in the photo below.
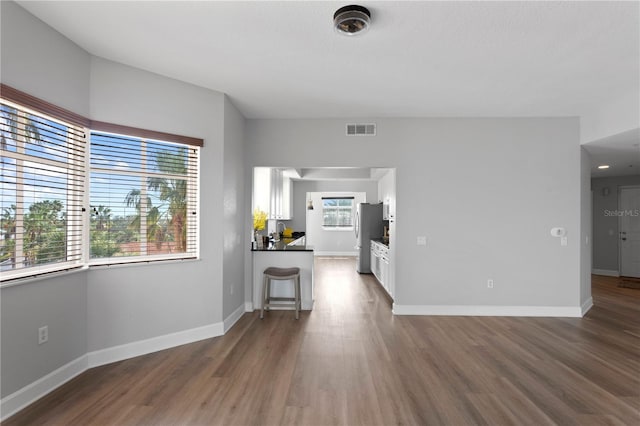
(282, 245)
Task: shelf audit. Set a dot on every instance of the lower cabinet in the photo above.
(380, 264)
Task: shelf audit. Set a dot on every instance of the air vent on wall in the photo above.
(361, 129)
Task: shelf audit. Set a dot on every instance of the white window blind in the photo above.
(41, 192)
(143, 199)
(337, 212)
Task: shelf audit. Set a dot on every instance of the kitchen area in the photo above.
(300, 213)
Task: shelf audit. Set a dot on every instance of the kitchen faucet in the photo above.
(278, 227)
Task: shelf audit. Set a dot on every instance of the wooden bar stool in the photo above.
(281, 274)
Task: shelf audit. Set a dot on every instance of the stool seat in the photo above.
(281, 274)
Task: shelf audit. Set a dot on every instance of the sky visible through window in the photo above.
(138, 196)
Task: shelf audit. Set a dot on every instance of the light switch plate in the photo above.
(422, 241)
(563, 241)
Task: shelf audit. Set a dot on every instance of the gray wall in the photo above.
(605, 228)
(106, 307)
(38, 59)
(233, 205)
(485, 192)
(301, 187)
(60, 303)
(143, 301)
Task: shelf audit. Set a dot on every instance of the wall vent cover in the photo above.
(361, 129)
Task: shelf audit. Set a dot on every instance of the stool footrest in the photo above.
(283, 299)
(281, 274)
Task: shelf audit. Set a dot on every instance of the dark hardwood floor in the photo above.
(351, 362)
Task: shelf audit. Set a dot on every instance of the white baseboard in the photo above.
(605, 272)
(588, 304)
(233, 318)
(18, 400)
(248, 306)
(335, 253)
(489, 311)
(155, 344)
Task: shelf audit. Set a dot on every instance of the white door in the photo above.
(629, 214)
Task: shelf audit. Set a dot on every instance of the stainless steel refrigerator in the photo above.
(368, 225)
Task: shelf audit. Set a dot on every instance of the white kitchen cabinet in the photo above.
(375, 260)
(387, 194)
(262, 189)
(280, 205)
(380, 264)
(272, 193)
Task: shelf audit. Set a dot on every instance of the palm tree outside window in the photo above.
(143, 198)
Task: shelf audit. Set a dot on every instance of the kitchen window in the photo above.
(337, 212)
(143, 199)
(41, 192)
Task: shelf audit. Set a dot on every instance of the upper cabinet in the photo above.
(387, 194)
(272, 192)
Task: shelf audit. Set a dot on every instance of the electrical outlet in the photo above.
(421, 241)
(489, 283)
(43, 334)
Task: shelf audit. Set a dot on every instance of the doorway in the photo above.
(629, 225)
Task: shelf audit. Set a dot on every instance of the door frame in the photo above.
(620, 189)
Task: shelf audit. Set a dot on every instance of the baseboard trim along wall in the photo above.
(248, 306)
(605, 272)
(489, 311)
(588, 304)
(154, 344)
(26, 396)
(233, 318)
(29, 394)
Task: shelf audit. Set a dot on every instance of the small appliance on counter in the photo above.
(368, 225)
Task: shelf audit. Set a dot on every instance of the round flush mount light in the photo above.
(351, 20)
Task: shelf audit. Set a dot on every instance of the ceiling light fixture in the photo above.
(351, 20)
(604, 166)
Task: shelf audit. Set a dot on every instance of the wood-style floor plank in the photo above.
(351, 362)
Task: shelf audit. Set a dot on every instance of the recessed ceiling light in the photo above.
(604, 166)
(351, 20)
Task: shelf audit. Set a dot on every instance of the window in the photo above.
(143, 199)
(337, 212)
(138, 203)
(41, 192)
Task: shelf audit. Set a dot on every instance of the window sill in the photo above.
(140, 262)
(43, 276)
(338, 229)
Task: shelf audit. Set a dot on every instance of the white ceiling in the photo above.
(283, 59)
(621, 152)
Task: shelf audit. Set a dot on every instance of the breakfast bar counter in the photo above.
(284, 254)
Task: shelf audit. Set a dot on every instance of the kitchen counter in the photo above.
(284, 254)
(287, 244)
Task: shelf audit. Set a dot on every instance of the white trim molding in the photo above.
(154, 344)
(20, 399)
(586, 306)
(233, 318)
(29, 394)
(489, 311)
(248, 306)
(605, 272)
